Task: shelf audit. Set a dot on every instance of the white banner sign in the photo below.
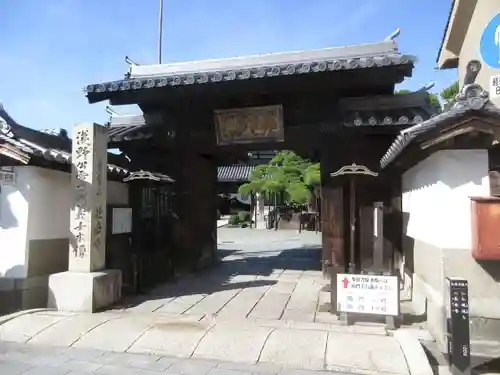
(368, 294)
(122, 220)
(495, 86)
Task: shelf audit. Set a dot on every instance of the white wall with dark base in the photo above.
(437, 238)
(34, 232)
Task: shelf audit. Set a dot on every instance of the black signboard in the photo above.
(458, 327)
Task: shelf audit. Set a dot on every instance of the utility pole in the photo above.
(160, 30)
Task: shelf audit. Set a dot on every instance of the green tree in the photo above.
(312, 179)
(449, 93)
(257, 181)
(288, 175)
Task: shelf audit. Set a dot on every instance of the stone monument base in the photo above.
(84, 291)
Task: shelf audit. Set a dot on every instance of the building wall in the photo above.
(13, 225)
(437, 238)
(35, 228)
(484, 11)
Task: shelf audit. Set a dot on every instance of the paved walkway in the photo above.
(313, 346)
(17, 359)
(263, 306)
(263, 275)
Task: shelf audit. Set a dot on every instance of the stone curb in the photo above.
(416, 359)
(5, 318)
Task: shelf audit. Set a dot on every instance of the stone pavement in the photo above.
(273, 275)
(263, 307)
(311, 346)
(17, 359)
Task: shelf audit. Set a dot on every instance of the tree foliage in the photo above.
(448, 94)
(294, 178)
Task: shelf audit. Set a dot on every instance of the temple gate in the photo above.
(335, 105)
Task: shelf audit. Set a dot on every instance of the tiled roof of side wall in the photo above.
(471, 98)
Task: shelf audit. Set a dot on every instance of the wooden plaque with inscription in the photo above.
(249, 125)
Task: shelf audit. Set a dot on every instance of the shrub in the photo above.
(244, 216)
(233, 220)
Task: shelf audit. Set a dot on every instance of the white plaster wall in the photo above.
(13, 225)
(437, 236)
(49, 204)
(38, 208)
(436, 196)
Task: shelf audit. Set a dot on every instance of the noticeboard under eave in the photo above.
(368, 294)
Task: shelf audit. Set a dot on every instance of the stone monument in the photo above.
(87, 286)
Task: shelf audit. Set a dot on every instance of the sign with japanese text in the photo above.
(458, 330)
(495, 86)
(368, 294)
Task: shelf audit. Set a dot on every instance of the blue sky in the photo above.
(51, 49)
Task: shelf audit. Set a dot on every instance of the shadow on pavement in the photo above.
(234, 263)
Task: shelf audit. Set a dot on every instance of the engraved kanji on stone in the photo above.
(81, 251)
(82, 137)
(79, 237)
(82, 174)
(81, 200)
(99, 213)
(99, 177)
(81, 213)
(81, 165)
(82, 152)
(80, 226)
(98, 228)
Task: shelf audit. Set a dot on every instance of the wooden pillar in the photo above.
(332, 217)
(196, 211)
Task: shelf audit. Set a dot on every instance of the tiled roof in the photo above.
(234, 173)
(145, 175)
(370, 55)
(127, 127)
(49, 154)
(128, 132)
(399, 109)
(22, 143)
(472, 99)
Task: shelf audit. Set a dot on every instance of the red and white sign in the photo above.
(368, 294)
